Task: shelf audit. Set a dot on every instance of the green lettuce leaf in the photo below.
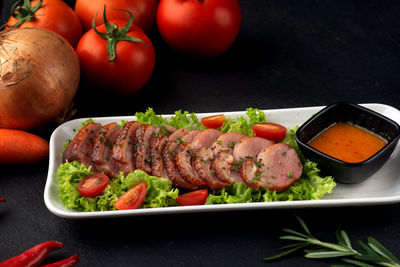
(185, 120)
(150, 117)
(159, 192)
(290, 139)
(243, 124)
(179, 120)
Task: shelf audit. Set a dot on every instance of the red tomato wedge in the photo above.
(132, 198)
(197, 197)
(270, 130)
(214, 122)
(93, 185)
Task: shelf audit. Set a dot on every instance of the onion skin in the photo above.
(39, 76)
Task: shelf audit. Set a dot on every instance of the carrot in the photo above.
(21, 147)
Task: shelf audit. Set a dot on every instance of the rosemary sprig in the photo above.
(371, 254)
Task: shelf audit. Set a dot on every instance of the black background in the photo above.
(288, 54)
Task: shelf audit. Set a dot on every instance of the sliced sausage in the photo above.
(101, 154)
(169, 129)
(124, 147)
(225, 169)
(190, 136)
(80, 147)
(142, 159)
(249, 148)
(157, 146)
(226, 142)
(205, 138)
(202, 165)
(168, 157)
(183, 163)
(178, 134)
(277, 168)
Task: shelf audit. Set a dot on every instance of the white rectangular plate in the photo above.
(381, 188)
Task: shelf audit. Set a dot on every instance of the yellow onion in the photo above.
(39, 76)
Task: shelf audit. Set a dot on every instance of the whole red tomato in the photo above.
(54, 15)
(202, 28)
(128, 72)
(144, 11)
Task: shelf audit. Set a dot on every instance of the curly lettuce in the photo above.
(179, 120)
(243, 124)
(159, 191)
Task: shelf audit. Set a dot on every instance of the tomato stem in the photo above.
(24, 13)
(114, 34)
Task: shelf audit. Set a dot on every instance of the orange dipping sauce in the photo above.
(348, 142)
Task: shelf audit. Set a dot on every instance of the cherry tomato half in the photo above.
(214, 122)
(93, 185)
(270, 130)
(197, 197)
(132, 198)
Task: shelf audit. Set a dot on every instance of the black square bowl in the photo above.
(345, 172)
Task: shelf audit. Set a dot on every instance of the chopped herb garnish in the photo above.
(258, 176)
(135, 147)
(232, 144)
(290, 175)
(259, 163)
(219, 142)
(107, 142)
(157, 134)
(180, 140)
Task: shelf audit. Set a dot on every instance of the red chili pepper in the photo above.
(2, 199)
(33, 256)
(68, 262)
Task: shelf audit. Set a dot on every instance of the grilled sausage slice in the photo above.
(249, 148)
(80, 147)
(183, 163)
(124, 147)
(168, 157)
(101, 154)
(225, 168)
(205, 138)
(157, 146)
(144, 133)
(277, 168)
(226, 142)
(202, 165)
